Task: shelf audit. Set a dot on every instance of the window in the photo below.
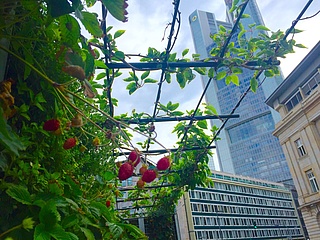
(292, 102)
(311, 84)
(300, 147)
(313, 181)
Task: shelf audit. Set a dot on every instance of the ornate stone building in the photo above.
(297, 100)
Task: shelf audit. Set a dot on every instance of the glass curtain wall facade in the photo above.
(247, 146)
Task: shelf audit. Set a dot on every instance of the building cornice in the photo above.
(302, 110)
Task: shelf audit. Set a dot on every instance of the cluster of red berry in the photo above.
(53, 125)
(147, 175)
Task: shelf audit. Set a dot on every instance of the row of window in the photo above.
(213, 208)
(237, 234)
(221, 197)
(250, 190)
(306, 90)
(236, 221)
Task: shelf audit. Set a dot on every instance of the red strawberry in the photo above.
(70, 143)
(163, 163)
(108, 203)
(125, 171)
(51, 125)
(140, 183)
(143, 169)
(134, 158)
(149, 175)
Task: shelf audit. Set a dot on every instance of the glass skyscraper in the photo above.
(247, 146)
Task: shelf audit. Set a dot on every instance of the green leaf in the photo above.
(38, 100)
(115, 229)
(87, 232)
(97, 85)
(117, 9)
(145, 75)
(245, 16)
(58, 8)
(101, 75)
(221, 75)
(263, 28)
(172, 57)
(100, 64)
(89, 63)
(200, 70)
(211, 110)
(188, 75)
(232, 78)
(132, 87)
(69, 221)
(211, 73)
(108, 175)
(300, 45)
(70, 30)
(168, 77)
(118, 33)
(269, 73)
(49, 215)
(58, 233)
(253, 84)
(237, 70)
(119, 55)
(40, 233)
(241, 34)
(176, 113)
(150, 80)
(129, 79)
(150, 52)
(202, 124)
(234, 5)
(72, 236)
(90, 22)
(172, 107)
(181, 80)
(295, 30)
(185, 52)
(196, 56)
(55, 189)
(222, 28)
(20, 194)
(134, 231)
(103, 210)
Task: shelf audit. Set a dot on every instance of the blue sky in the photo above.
(147, 20)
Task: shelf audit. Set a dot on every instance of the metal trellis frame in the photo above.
(163, 66)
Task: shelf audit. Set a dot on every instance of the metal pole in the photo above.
(171, 119)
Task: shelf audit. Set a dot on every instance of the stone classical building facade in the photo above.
(297, 100)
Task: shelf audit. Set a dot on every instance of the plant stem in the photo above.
(10, 230)
(28, 64)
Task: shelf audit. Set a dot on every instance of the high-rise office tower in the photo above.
(247, 146)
